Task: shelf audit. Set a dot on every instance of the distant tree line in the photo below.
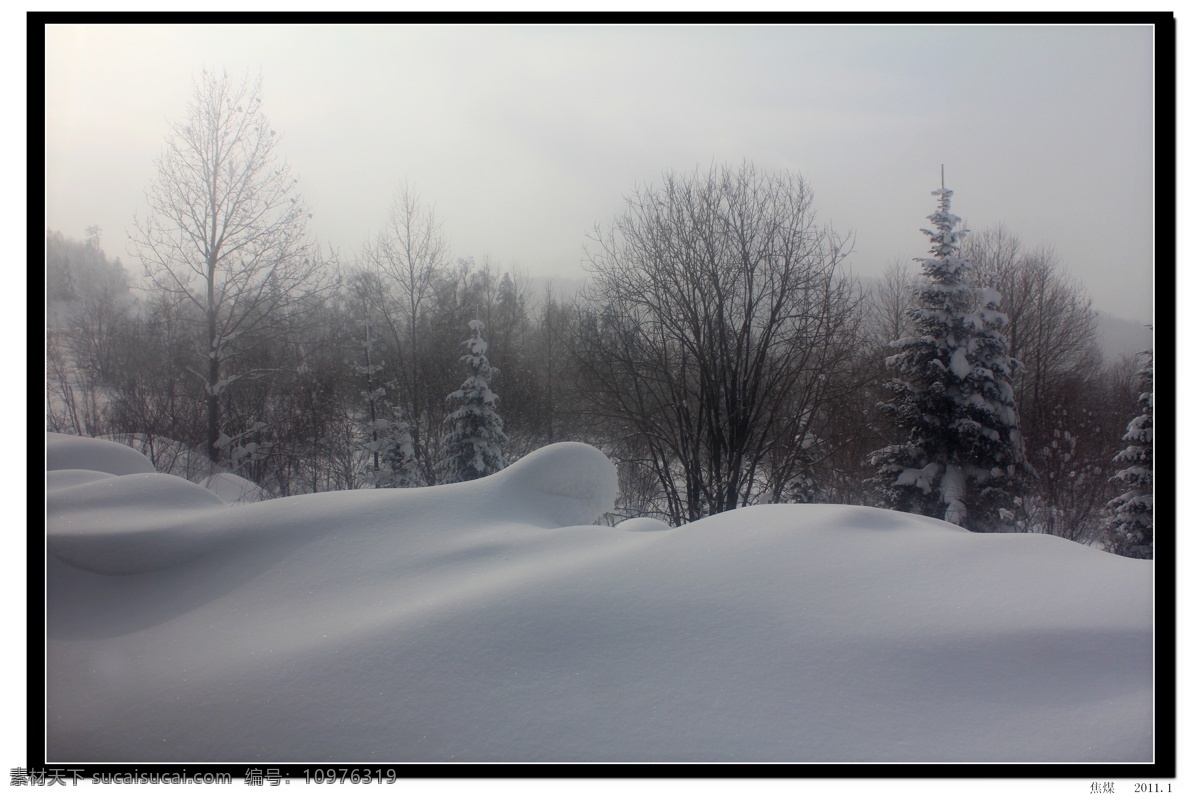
(720, 354)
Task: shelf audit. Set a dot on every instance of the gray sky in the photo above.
(526, 137)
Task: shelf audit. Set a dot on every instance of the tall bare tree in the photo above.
(889, 299)
(855, 424)
(226, 231)
(717, 321)
(1061, 389)
(1052, 327)
(409, 255)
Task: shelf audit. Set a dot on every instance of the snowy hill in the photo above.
(490, 621)
(1118, 337)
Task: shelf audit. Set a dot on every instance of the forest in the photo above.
(720, 353)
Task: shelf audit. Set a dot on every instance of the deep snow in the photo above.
(489, 621)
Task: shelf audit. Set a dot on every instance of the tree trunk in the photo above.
(213, 399)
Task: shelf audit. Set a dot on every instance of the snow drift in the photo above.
(491, 621)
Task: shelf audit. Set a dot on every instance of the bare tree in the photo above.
(72, 397)
(855, 425)
(409, 254)
(889, 299)
(226, 230)
(1061, 390)
(716, 319)
(553, 359)
(1056, 339)
(1052, 328)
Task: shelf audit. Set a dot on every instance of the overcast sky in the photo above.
(526, 137)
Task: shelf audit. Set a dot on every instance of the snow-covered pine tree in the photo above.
(387, 445)
(406, 470)
(1131, 515)
(805, 485)
(474, 446)
(963, 460)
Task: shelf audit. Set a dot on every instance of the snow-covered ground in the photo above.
(490, 621)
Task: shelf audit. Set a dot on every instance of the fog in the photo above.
(525, 138)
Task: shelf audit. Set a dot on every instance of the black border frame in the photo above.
(1165, 234)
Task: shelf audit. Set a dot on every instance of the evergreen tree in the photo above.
(473, 447)
(406, 469)
(963, 460)
(805, 486)
(386, 433)
(1131, 515)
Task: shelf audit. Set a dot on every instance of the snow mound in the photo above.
(234, 489)
(563, 484)
(642, 524)
(128, 523)
(168, 455)
(452, 624)
(76, 452)
(66, 478)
